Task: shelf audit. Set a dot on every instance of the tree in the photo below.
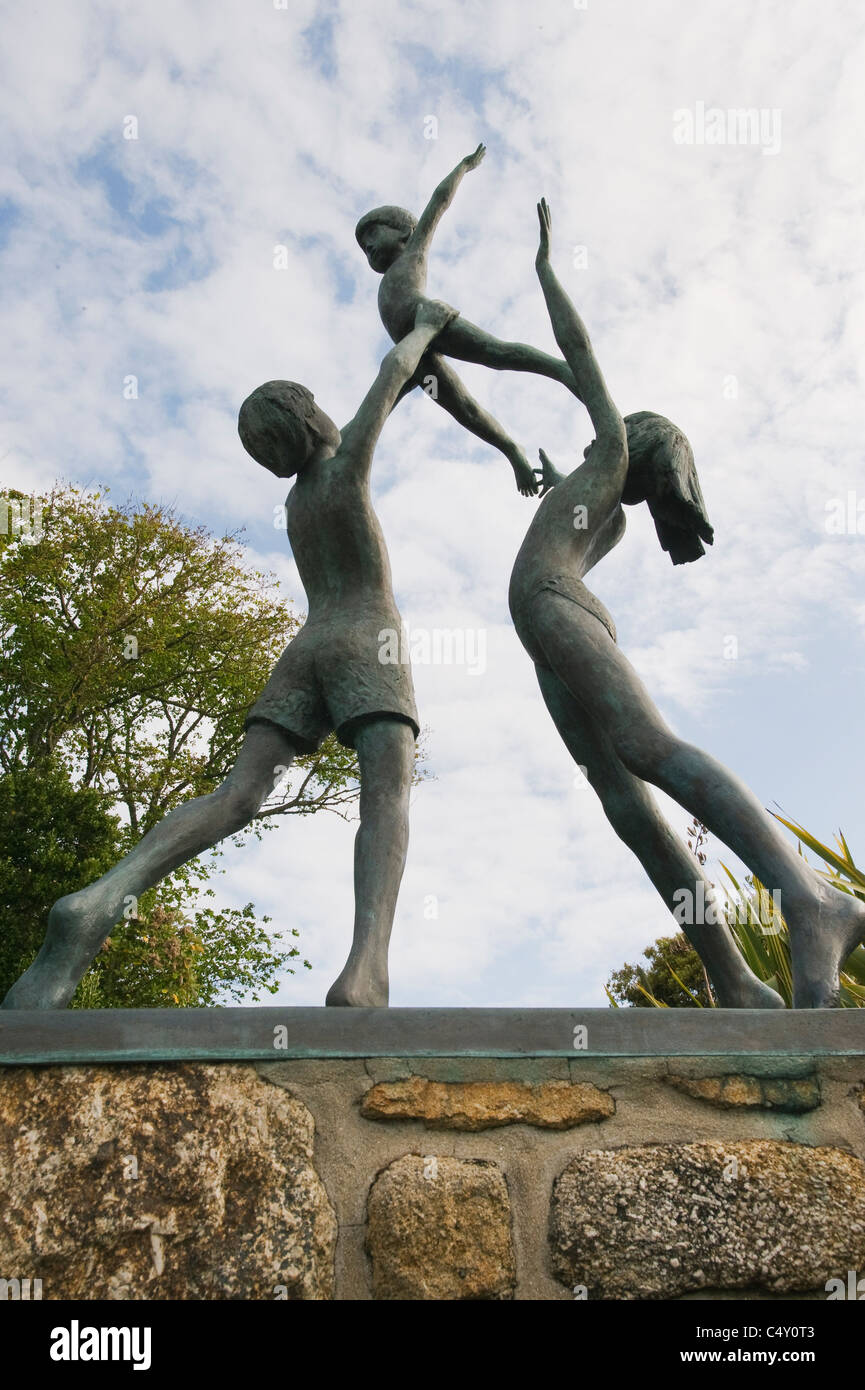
(131, 647)
(664, 956)
(53, 838)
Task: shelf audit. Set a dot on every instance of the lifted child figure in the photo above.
(330, 677)
(397, 246)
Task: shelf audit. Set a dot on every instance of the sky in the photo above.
(180, 186)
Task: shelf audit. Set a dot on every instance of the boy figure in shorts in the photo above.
(397, 246)
(330, 677)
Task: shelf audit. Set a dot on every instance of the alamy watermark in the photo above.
(699, 906)
(713, 125)
(853, 1289)
(439, 646)
(77, 1343)
(22, 516)
(20, 1290)
(845, 516)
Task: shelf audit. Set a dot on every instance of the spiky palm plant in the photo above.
(760, 931)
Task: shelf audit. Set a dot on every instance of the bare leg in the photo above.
(450, 393)
(469, 343)
(79, 923)
(416, 380)
(637, 820)
(825, 925)
(385, 750)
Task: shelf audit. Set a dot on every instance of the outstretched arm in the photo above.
(573, 340)
(360, 437)
(441, 200)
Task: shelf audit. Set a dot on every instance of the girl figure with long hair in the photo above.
(604, 713)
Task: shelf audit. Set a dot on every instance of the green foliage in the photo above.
(162, 961)
(131, 647)
(675, 972)
(656, 984)
(762, 936)
(54, 838)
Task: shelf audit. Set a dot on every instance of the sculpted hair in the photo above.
(398, 218)
(662, 473)
(273, 423)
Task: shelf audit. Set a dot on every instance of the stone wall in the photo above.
(435, 1178)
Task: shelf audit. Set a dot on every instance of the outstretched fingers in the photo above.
(545, 223)
(549, 474)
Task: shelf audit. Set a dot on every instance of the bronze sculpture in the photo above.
(601, 708)
(329, 677)
(333, 675)
(397, 246)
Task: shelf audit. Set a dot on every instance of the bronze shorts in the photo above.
(331, 677)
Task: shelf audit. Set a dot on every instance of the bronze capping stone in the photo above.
(440, 1229)
(660, 1221)
(752, 1040)
(185, 1181)
(476, 1105)
(794, 1094)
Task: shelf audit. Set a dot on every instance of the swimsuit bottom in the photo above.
(576, 591)
(567, 587)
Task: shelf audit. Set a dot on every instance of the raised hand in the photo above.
(472, 161)
(545, 225)
(434, 313)
(527, 483)
(549, 474)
